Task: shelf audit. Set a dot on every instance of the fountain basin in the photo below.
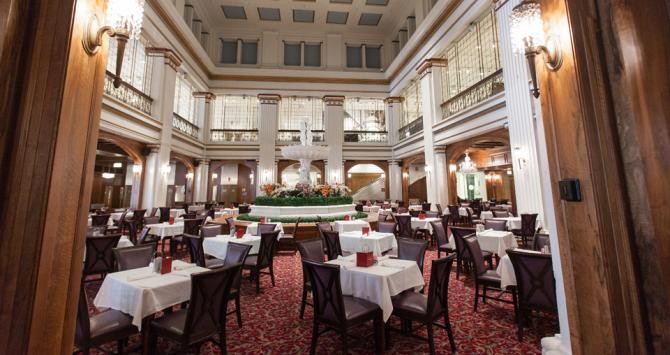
(303, 211)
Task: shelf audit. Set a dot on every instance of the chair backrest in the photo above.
(83, 328)
(540, 240)
(324, 226)
(534, 279)
(476, 255)
(332, 239)
(99, 255)
(192, 226)
(439, 209)
(311, 249)
(459, 234)
(132, 230)
(500, 213)
(123, 217)
(414, 213)
(438, 291)
(96, 231)
(386, 227)
(445, 222)
(454, 211)
(236, 253)
(231, 224)
(188, 215)
(144, 237)
(431, 214)
(244, 209)
(426, 206)
(206, 313)
(402, 209)
(195, 249)
(440, 233)
(359, 207)
(99, 220)
(327, 292)
(164, 214)
(152, 220)
(296, 228)
(211, 230)
(528, 224)
(412, 249)
(495, 224)
(138, 215)
(266, 252)
(134, 257)
(153, 212)
(264, 228)
(404, 226)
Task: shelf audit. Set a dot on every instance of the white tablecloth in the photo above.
(196, 208)
(496, 241)
(350, 226)
(380, 282)
(253, 228)
(226, 211)
(166, 230)
(117, 215)
(515, 222)
(424, 223)
(376, 242)
(484, 215)
(218, 246)
(415, 207)
(506, 270)
(141, 293)
(371, 209)
(176, 212)
(109, 222)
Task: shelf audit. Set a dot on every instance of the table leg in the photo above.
(144, 335)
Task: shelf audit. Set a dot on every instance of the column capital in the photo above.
(394, 162)
(208, 96)
(171, 58)
(332, 100)
(203, 161)
(153, 148)
(440, 149)
(269, 99)
(427, 64)
(394, 99)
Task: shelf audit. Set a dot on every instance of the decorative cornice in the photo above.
(332, 100)
(171, 58)
(203, 161)
(208, 96)
(440, 149)
(394, 99)
(269, 99)
(425, 66)
(153, 148)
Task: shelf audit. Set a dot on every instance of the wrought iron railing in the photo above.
(475, 94)
(128, 94)
(411, 128)
(365, 137)
(181, 124)
(234, 135)
(293, 136)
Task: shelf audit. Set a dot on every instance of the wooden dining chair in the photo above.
(236, 253)
(263, 260)
(99, 259)
(311, 250)
(133, 257)
(495, 224)
(484, 278)
(333, 246)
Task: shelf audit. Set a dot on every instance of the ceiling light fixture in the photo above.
(108, 175)
(117, 165)
(527, 36)
(468, 166)
(124, 22)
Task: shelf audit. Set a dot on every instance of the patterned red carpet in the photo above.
(271, 324)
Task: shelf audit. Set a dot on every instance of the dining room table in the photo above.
(218, 246)
(515, 222)
(351, 225)
(141, 293)
(176, 212)
(196, 208)
(496, 241)
(506, 270)
(252, 228)
(378, 283)
(376, 242)
(371, 208)
(424, 223)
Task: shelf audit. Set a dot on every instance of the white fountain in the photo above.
(305, 152)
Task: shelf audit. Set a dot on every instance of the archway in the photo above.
(232, 181)
(414, 179)
(180, 180)
(367, 181)
(319, 165)
(117, 174)
(290, 175)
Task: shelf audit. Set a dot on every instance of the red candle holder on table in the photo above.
(346, 217)
(166, 265)
(422, 215)
(239, 233)
(365, 259)
(365, 230)
(171, 220)
(261, 220)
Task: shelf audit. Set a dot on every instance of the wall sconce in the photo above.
(137, 168)
(251, 178)
(166, 169)
(215, 176)
(426, 169)
(527, 36)
(405, 175)
(383, 176)
(349, 175)
(189, 175)
(117, 165)
(453, 168)
(124, 21)
(108, 175)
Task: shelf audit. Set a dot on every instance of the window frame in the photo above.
(301, 54)
(363, 48)
(238, 55)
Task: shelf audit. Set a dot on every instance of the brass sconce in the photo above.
(527, 36)
(124, 21)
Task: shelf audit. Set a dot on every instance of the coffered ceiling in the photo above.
(370, 17)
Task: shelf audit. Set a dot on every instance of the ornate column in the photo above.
(393, 116)
(136, 170)
(395, 180)
(151, 171)
(431, 94)
(268, 117)
(200, 181)
(164, 76)
(334, 125)
(204, 112)
(441, 175)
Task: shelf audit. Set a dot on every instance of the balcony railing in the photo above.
(234, 135)
(411, 128)
(186, 127)
(365, 137)
(128, 94)
(293, 136)
(473, 95)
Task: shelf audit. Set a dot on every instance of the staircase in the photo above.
(372, 191)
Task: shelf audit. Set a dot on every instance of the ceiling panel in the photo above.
(269, 14)
(337, 17)
(234, 12)
(369, 19)
(303, 16)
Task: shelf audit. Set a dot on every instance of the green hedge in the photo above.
(293, 201)
(247, 217)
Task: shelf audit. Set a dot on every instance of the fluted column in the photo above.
(531, 176)
(204, 112)
(395, 180)
(431, 92)
(268, 117)
(136, 183)
(200, 181)
(334, 123)
(151, 171)
(441, 175)
(393, 116)
(164, 76)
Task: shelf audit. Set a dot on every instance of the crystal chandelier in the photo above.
(467, 166)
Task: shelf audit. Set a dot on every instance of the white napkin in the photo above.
(183, 267)
(131, 278)
(392, 263)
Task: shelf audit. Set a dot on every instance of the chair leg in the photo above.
(450, 333)
(304, 302)
(387, 335)
(476, 295)
(315, 335)
(345, 343)
(153, 342)
(222, 340)
(431, 341)
(238, 311)
(378, 323)
(257, 275)
(119, 346)
(272, 275)
(484, 295)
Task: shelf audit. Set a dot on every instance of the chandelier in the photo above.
(467, 166)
